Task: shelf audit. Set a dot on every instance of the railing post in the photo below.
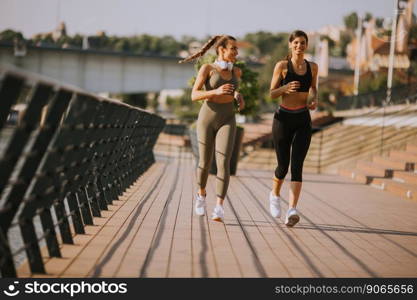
(7, 268)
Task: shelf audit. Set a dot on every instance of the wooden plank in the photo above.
(90, 261)
(158, 255)
(142, 243)
(55, 266)
(180, 256)
(203, 256)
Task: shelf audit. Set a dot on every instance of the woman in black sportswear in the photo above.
(293, 79)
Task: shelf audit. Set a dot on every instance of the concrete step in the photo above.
(373, 169)
(412, 148)
(405, 176)
(407, 156)
(394, 163)
(355, 174)
(405, 190)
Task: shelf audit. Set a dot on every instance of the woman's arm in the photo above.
(277, 91)
(238, 96)
(313, 103)
(199, 94)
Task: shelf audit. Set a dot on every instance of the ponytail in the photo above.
(217, 40)
(202, 51)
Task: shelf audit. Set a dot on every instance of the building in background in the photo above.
(374, 48)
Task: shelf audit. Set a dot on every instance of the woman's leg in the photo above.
(282, 137)
(276, 185)
(225, 138)
(300, 147)
(206, 138)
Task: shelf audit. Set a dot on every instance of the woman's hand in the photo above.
(312, 105)
(240, 101)
(292, 87)
(225, 89)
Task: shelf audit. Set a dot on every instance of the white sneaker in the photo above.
(274, 205)
(200, 205)
(218, 214)
(292, 217)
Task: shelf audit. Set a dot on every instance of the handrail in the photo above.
(362, 128)
(83, 154)
(375, 98)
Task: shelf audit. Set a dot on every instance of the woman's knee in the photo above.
(281, 172)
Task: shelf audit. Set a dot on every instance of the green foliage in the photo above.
(351, 21)
(379, 22)
(325, 101)
(345, 39)
(377, 81)
(249, 88)
(9, 35)
(330, 42)
(184, 107)
(265, 42)
(280, 52)
(140, 44)
(368, 16)
(413, 70)
(412, 34)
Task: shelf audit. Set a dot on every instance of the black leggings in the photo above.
(291, 132)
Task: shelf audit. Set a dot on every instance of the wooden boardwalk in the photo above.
(346, 230)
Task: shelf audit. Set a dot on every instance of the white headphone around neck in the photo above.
(224, 65)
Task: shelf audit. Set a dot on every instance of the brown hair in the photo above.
(217, 41)
(295, 34)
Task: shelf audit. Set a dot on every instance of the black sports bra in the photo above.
(305, 79)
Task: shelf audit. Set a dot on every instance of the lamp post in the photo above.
(392, 51)
(390, 68)
(358, 57)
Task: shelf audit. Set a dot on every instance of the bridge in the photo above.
(93, 191)
(103, 71)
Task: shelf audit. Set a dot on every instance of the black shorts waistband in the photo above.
(293, 111)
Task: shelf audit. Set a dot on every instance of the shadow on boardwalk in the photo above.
(346, 230)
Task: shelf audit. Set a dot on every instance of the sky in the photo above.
(197, 18)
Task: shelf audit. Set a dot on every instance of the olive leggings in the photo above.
(216, 127)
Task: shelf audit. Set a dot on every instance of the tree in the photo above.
(279, 53)
(351, 21)
(368, 17)
(412, 35)
(9, 35)
(345, 39)
(122, 45)
(76, 40)
(170, 46)
(265, 42)
(330, 42)
(379, 22)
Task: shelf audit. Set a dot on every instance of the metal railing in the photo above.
(330, 147)
(377, 98)
(339, 144)
(71, 154)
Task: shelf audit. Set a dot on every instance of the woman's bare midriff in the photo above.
(295, 100)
